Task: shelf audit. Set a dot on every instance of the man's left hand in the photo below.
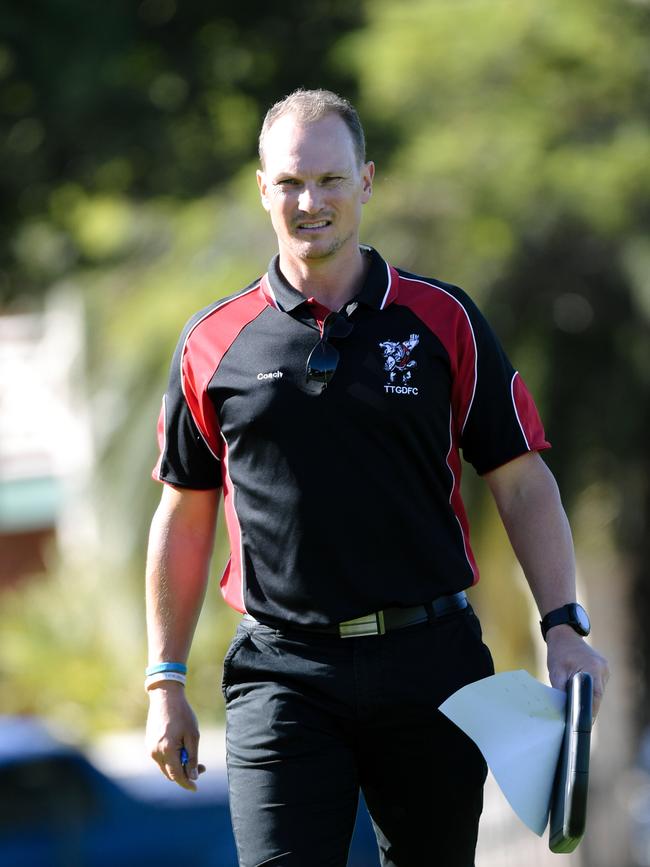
(569, 653)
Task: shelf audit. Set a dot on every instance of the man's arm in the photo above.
(178, 560)
(528, 501)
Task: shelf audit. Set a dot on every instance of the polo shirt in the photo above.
(342, 499)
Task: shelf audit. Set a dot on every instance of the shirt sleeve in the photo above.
(188, 430)
(502, 421)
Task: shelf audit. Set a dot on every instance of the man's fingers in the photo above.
(560, 677)
(172, 773)
(600, 677)
(596, 706)
(568, 654)
(598, 680)
(176, 773)
(173, 737)
(178, 764)
(192, 768)
(599, 691)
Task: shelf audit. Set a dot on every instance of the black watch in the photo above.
(572, 614)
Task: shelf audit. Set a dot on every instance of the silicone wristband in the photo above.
(179, 667)
(164, 675)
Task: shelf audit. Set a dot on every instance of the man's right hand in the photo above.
(171, 725)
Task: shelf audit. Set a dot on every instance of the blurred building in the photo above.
(45, 435)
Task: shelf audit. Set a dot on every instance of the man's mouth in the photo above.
(313, 226)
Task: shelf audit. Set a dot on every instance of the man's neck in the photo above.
(332, 282)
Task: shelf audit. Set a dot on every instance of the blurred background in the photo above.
(512, 143)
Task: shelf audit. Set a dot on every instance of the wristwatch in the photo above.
(572, 614)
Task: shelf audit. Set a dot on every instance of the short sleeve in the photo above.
(188, 435)
(502, 421)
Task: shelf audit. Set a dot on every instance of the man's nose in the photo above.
(309, 199)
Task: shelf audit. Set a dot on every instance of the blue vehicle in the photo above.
(58, 810)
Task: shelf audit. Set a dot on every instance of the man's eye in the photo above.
(332, 179)
(287, 182)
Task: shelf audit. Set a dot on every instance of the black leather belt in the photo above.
(390, 618)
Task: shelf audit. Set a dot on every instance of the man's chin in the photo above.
(312, 251)
(315, 250)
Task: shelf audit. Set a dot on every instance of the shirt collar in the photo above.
(378, 291)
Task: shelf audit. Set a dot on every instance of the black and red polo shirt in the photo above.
(343, 499)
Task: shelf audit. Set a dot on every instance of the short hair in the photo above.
(312, 105)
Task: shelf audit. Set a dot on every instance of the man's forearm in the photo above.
(529, 503)
(178, 560)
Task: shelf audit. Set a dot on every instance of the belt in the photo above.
(390, 618)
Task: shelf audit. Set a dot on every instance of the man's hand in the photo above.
(171, 725)
(569, 653)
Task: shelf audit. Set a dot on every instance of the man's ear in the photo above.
(367, 175)
(263, 188)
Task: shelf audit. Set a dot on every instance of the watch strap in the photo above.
(566, 614)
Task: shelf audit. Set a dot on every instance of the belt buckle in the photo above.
(369, 624)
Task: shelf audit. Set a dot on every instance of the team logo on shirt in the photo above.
(399, 365)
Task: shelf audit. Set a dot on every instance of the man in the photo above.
(330, 400)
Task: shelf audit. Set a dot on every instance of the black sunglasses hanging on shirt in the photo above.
(324, 357)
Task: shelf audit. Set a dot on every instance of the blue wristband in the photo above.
(178, 667)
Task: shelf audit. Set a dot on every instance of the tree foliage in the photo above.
(137, 100)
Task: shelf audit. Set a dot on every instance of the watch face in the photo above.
(581, 619)
(572, 614)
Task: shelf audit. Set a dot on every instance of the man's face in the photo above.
(313, 186)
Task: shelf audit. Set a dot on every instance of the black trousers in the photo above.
(311, 718)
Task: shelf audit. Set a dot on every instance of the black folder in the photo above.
(569, 798)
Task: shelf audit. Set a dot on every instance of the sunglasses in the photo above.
(324, 358)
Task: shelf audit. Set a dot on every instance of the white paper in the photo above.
(518, 724)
